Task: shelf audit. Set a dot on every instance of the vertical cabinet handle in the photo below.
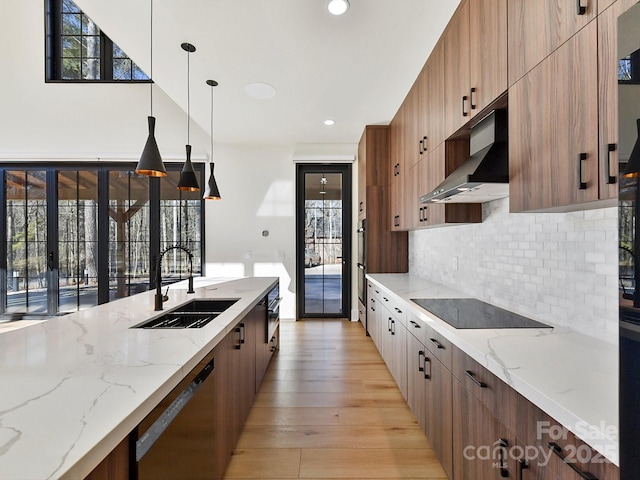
(581, 158)
(504, 472)
(424, 143)
(361, 205)
(557, 449)
(427, 376)
(389, 324)
(473, 105)
(464, 109)
(393, 327)
(522, 465)
(420, 364)
(422, 149)
(580, 8)
(611, 147)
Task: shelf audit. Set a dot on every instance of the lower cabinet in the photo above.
(429, 391)
(478, 426)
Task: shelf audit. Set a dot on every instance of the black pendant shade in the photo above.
(150, 163)
(188, 180)
(633, 165)
(211, 191)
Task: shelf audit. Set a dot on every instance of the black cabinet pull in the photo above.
(420, 214)
(415, 325)
(470, 374)
(504, 472)
(581, 158)
(611, 147)
(473, 105)
(427, 376)
(361, 203)
(242, 333)
(522, 465)
(389, 324)
(436, 343)
(557, 449)
(422, 149)
(385, 299)
(397, 309)
(393, 327)
(581, 9)
(420, 365)
(424, 143)
(464, 111)
(239, 332)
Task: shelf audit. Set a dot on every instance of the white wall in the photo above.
(558, 268)
(89, 121)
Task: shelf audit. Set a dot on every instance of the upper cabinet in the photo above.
(475, 60)
(553, 129)
(537, 28)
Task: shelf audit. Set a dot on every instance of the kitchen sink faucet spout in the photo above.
(159, 299)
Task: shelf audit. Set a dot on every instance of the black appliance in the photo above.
(472, 313)
(361, 263)
(273, 311)
(629, 243)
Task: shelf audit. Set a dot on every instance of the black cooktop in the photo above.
(472, 313)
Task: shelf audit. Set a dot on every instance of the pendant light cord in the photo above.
(212, 87)
(188, 99)
(151, 58)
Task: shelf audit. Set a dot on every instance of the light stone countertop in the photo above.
(570, 376)
(72, 387)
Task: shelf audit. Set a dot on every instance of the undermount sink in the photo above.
(194, 314)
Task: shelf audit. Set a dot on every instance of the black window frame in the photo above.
(53, 51)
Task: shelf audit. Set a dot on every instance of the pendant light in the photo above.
(211, 191)
(150, 163)
(188, 181)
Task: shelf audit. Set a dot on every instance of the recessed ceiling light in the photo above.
(329, 122)
(338, 7)
(261, 91)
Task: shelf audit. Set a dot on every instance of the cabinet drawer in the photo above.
(397, 309)
(439, 346)
(499, 398)
(557, 449)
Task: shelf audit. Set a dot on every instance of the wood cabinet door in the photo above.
(433, 89)
(456, 70)
(399, 355)
(608, 96)
(439, 405)
(488, 52)
(416, 388)
(432, 173)
(362, 176)
(537, 28)
(553, 129)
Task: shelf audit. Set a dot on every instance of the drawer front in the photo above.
(439, 346)
(496, 395)
(417, 327)
(397, 309)
(558, 449)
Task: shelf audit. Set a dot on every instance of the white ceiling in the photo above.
(355, 69)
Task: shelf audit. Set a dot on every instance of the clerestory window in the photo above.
(78, 51)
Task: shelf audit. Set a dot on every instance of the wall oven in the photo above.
(273, 311)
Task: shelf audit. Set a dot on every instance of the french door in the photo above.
(75, 238)
(323, 235)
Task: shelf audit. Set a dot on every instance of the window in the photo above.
(77, 50)
(629, 68)
(76, 235)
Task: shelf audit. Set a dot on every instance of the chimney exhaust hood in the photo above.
(485, 175)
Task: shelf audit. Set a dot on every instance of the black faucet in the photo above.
(159, 299)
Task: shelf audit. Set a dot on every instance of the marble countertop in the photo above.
(73, 387)
(570, 376)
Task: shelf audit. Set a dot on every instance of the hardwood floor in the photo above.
(329, 408)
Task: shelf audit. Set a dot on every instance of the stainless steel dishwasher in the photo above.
(176, 440)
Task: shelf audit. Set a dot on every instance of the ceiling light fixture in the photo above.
(150, 163)
(188, 181)
(338, 7)
(329, 122)
(211, 191)
(260, 90)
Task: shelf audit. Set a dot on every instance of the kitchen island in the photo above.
(74, 387)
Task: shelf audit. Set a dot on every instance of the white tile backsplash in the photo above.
(558, 268)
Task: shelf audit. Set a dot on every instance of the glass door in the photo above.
(28, 261)
(324, 237)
